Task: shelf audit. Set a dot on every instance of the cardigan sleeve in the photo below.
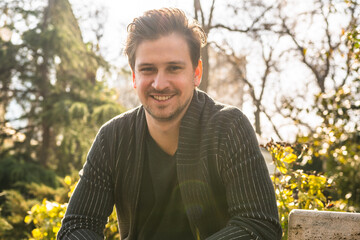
(92, 200)
(249, 191)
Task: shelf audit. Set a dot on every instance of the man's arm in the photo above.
(249, 191)
(92, 201)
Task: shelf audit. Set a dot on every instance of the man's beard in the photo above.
(172, 115)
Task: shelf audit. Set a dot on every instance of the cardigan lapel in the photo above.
(194, 163)
(140, 132)
(190, 132)
(193, 179)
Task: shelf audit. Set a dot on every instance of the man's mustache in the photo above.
(162, 92)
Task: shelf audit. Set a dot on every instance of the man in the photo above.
(180, 166)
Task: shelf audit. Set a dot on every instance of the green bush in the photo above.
(296, 189)
(14, 209)
(46, 217)
(14, 170)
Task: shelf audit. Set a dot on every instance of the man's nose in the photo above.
(160, 81)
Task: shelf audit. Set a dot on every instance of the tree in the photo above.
(334, 142)
(327, 50)
(52, 80)
(207, 21)
(50, 76)
(247, 23)
(320, 56)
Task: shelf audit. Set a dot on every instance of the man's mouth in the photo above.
(161, 98)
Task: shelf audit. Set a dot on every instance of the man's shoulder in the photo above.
(124, 120)
(215, 111)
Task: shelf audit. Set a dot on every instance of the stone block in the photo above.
(321, 225)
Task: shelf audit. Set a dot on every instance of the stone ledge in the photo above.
(321, 225)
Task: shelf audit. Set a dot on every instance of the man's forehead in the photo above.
(170, 49)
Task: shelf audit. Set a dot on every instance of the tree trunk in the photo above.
(257, 120)
(205, 77)
(44, 91)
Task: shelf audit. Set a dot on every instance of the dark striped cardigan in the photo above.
(224, 183)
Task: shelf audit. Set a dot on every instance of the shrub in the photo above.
(47, 215)
(296, 189)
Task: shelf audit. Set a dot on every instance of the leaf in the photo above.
(281, 167)
(304, 51)
(320, 203)
(290, 158)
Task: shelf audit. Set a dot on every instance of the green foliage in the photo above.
(4, 226)
(15, 205)
(336, 141)
(111, 228)
(353, 37)
(13, 170)
(296, 189)
(46, 217)
(14, 209)
(52, 73)
(105, 112)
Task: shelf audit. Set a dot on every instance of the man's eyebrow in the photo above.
(176, 63)
(144, 65)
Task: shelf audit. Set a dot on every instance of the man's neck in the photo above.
(165, 134)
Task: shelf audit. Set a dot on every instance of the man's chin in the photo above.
(162, 116)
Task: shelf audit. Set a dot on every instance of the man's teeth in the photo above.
(161, 98)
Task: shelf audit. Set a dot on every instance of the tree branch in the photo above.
(272, 124)
(251, 27)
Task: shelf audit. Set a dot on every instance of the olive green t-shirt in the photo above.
(161, 213)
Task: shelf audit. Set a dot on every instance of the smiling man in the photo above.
(180, 166)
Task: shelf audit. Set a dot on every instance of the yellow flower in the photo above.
(289, 158)
(61, 214)
(289, 150)
(36, 233)
(56, 229)
(67, 180)
(113, 228)
(27, 219)
(35, 208)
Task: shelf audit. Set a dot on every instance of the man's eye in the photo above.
(174, 68)
(147, 70)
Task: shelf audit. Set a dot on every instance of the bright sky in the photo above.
(119, 14)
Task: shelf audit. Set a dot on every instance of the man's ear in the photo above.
(133, 79)
(198, 74)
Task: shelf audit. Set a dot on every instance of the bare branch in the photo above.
(296, 118)
(251, 27)
(198, 8)
(219, 25)
(268, 65)
(272, 124)
(211, 15)
(320, 79)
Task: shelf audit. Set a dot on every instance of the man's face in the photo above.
(164, 77)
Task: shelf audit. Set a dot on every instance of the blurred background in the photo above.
(291, 66)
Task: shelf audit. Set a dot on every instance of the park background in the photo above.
(291, 66)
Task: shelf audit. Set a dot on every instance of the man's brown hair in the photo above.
(162, 22)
